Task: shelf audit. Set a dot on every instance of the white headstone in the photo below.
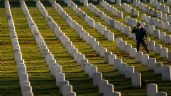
(139, 56)
(112, 57)
(118, 2)
(169, 56)
(129, 71)
(93, 70)
(158, 68)
(102, 85)
(144, 59)
(115, 93)
(152, 89)
(151, 45)
(166, 73)
(151, 63)
(60, 77)
(161, 93)
(158, 48)
(108, 90)
(164, 52)
(97, 77)
(136, 80)
(132, 52)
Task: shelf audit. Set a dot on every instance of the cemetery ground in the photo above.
(41, 80)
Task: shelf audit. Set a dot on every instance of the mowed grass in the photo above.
(42, 82)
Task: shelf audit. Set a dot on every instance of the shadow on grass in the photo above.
(2, 5)
(16, 3)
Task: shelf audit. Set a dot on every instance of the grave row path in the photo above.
(9, 82)
(40, 78)
(131, 41)
(147, 75)
(109, 72)
(148, 4)
(153, 7)
(82, 85)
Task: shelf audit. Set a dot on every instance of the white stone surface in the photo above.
(152, 89)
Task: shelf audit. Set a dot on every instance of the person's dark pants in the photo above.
(139, 42)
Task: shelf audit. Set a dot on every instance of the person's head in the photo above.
(138, 24)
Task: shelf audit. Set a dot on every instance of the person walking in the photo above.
(140, 34)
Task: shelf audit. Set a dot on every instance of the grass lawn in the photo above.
(43, 84)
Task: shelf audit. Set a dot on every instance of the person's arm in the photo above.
(145, 34)
(133, 29)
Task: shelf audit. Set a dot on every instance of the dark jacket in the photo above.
(139, 33)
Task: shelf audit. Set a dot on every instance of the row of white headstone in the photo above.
(158, 67)
(157, 22)
(156, 13)
(26, 88)
(124, 69)
(160, 6)
(88, 68)
(85, 2)
(54, 68)
(129, 70)
(152, 90)
(114, 23)
(101, 14)
(101, 29)
(127, 8)
(159, 15)
(111, 9)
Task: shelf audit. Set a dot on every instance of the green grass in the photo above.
(41, 80)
